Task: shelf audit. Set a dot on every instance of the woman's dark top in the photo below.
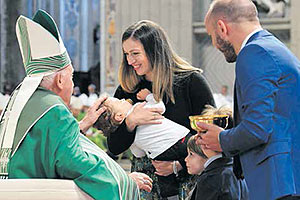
(191, 93)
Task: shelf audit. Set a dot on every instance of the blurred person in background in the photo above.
(93, 96)
(76, 108)
(76, 91)
(223, 98)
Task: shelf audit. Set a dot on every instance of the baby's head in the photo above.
(116, 111)
(197, 156)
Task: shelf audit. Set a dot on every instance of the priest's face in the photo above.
(67, 84)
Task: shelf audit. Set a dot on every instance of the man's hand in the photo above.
(209, 139)
(143, 181)
(92, 114)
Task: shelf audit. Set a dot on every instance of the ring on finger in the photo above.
(154, 116)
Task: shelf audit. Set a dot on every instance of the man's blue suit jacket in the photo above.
(267, 110)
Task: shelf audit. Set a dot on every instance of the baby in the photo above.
(216, 179)
(151, 140)
(165, 141)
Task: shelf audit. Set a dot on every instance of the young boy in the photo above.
(165, 141)
(216, 178)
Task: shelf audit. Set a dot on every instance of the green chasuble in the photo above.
(54, 148)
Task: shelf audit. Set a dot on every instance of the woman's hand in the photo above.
(142, 180)
(142, 116)
(165, 168)
(92, 114)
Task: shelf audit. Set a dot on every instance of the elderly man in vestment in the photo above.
(39, 137)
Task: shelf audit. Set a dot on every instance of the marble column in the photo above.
(295, 27)
(12, 70)
(2, 42)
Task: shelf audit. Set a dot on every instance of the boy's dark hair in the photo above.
(106, 124)
(192, 146)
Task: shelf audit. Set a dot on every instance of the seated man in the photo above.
(39, 136)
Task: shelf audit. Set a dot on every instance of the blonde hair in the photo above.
(224, 122)
(223, 110)
(165, 63)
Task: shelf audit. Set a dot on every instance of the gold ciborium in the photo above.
(219, 120)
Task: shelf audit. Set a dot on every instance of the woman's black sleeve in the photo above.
(200, 93)
(120, 140)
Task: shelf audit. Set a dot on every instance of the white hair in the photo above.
(47, 81)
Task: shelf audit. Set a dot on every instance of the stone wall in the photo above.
(11, 67)
(77, 20)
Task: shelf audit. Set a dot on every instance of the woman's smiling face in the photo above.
(137, 58)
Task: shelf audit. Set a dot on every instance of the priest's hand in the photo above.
(92, 114)
(143, 181)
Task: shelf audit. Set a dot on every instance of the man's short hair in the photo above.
(234, 10)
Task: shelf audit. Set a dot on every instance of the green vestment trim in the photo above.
(40, 102)
(33, 110)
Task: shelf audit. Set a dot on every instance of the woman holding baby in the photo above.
(150, 62)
